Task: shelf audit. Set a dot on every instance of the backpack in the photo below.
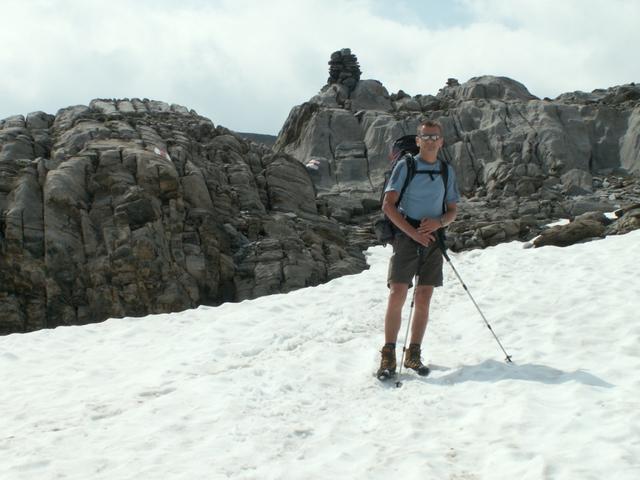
(405, 148)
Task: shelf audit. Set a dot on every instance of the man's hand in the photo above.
(429, 225)
(423, 238)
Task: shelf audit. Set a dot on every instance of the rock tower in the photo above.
(344, 69)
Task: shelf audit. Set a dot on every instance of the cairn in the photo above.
(344, 69)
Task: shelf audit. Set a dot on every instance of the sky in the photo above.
(284, 386)
(245, 63)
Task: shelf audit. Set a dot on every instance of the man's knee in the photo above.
(398, 291)
(424, 293)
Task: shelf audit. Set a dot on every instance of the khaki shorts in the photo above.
(404, 262)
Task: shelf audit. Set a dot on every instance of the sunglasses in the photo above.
(430, 137)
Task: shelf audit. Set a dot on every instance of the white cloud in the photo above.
(245, 63)
(572, 44)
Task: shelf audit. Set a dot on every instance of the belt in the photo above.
(412, 221)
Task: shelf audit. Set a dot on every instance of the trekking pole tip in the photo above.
(508, 359)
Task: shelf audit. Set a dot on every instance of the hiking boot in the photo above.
(388, 362)
(413, 361)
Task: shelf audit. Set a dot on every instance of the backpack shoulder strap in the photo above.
(411, 172)
(444, 173)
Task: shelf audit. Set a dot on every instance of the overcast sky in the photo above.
(246, 63)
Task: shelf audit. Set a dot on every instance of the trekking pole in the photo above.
(443, 249)
(416, 279)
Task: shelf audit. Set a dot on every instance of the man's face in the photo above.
(429, 139)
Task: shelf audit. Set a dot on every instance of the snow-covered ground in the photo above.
(283, 387)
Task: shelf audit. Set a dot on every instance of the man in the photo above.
(417, 218)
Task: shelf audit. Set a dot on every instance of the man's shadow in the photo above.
(494, 371)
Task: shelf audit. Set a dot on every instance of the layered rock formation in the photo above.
(520, 161)
(131, 207)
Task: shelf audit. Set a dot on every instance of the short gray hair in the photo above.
(429, 123)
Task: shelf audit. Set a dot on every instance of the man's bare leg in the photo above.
(393, 317)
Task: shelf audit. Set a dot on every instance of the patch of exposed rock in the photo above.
(132, 207)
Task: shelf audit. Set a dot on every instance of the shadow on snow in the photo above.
(494, 371)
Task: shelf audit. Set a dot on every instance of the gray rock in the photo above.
(370, 95)
(428, 102)
(15, 121)
(628, 219)
(289, 186)
(595, 217)
(577, 182)
(565, 235)
(408, 104)
(488, 88)
(629, 151)
(579, 206)
(39, 120)
(138, 207)
(331, 96)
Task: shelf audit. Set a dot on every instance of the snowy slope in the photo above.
(282, 387)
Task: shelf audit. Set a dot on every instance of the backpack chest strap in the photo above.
(431, 173)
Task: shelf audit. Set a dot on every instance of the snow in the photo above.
(283, 387)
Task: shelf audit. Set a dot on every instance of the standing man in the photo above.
(417, 218)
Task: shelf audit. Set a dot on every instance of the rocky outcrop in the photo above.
(520, 161)
(131, 207)
(498, 135)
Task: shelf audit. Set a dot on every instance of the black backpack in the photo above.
(405, 148)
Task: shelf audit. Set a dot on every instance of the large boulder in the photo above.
(370, 95)
(488, 87)
(577, 182)
(576, 231)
